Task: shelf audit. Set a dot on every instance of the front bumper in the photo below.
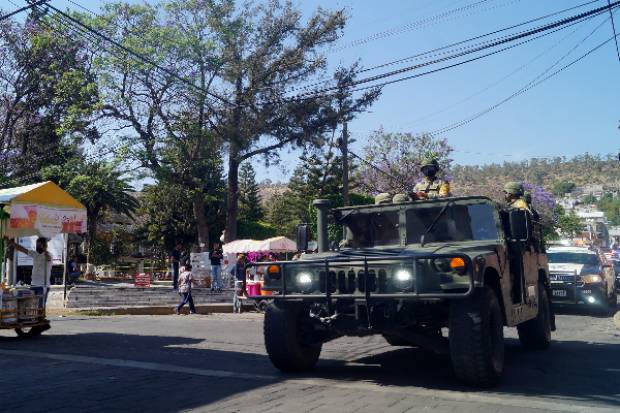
(575, 293)
(369, 278)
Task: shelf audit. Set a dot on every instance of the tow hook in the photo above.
(316, 311)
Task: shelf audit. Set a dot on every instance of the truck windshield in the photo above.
(373, 229)
(470, 222)
(474, 222)
(572, 258)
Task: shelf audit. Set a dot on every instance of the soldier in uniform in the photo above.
(514, 195)
(431, 186)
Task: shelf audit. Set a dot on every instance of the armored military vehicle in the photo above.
(445, 275)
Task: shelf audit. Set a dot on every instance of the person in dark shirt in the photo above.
(175, 260)
(216, 256)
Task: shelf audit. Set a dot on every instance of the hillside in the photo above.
(583, 170)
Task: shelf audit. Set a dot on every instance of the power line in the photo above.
(531, 32)
(523, 90)
(138, 56)
(21, 9)
(453, 45)
(497, 82)
(613, 26)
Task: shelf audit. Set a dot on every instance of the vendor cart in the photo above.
(43, 210)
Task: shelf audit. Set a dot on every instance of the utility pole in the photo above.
(344, 149)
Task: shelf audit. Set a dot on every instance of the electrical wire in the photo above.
(453, 45)
(21, 9)
(537, 81)
(137, 55)
(512, 38)
(495, 83)
(613, 26)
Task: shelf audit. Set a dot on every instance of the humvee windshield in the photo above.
(458, 222)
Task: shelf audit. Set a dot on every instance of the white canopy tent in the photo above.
(275, 245)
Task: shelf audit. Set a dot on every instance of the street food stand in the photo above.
(43, 210)
(254, 281)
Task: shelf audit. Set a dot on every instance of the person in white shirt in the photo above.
(41, 264)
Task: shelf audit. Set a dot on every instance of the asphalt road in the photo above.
(218, 363)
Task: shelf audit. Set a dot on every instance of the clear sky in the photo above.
(575, 112)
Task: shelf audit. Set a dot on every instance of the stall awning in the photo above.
(43, 193)
(42, 209)
(276, 244)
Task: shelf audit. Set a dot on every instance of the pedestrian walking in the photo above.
(186, 279)
(175, 261)
(216, 256)
(239, 283)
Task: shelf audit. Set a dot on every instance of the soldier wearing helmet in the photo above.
(514, 195)
(431, 186)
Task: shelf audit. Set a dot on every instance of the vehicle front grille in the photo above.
(354, 281)
(563, 277)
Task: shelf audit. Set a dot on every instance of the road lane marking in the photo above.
(144, 365)
(500, 399)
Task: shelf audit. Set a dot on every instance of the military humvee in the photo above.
(444, 275)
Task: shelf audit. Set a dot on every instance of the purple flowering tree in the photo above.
(394, 161)
(543, 202)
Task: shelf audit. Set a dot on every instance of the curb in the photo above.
(158, 310)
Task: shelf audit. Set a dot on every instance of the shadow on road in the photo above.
(573, 370)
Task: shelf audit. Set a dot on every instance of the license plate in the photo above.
(559, 293)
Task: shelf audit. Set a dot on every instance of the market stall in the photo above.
(42, 210)
(258, 250)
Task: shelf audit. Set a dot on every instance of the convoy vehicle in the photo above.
(616, 264)
(445, 275)
(581, 276)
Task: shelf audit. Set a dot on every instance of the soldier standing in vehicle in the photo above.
(513, 194)
(431, 186)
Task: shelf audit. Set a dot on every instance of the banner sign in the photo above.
(46, 221)
(142, 280)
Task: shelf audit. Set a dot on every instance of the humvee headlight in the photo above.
(403, 278)
(304, 279)
(591, 278)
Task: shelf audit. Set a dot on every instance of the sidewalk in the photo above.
(124, 298)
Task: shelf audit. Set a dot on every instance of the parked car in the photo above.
(582, 276)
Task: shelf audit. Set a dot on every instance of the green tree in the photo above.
(99, 185)
(568, 224)
(250, 209)
(281, 215)
(166, 216)
(169, 117)
(561, 188)
(48, 96)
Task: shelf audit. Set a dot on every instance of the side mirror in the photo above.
(520, 225)
(303, 237)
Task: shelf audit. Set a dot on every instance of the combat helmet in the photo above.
(401, 198)
(430, 161)
(514, 188)
(383, 198)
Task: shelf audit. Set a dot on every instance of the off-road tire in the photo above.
(476, 333)
(30, 332)
(284, 332)
(535, 334)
